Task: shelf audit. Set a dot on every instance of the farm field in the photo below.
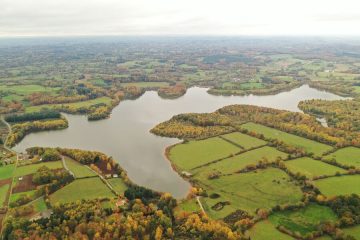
(86, 188)
(311, 168)
(118, 185)
(239, 162)
(88, 103)
(16, 196)
(39, 205)
(195, 153)
(244, 140)
(189, 205)
(32, 168)
(249, 191)
(353, 231)
(349, 156)
(342, 185)
(304, 220)
(266, 230)
(6, 171)
(307, 144)
(3, 193)
(79, 170)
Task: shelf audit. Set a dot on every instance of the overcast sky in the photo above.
(169, 17)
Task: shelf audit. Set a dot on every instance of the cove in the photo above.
(125, 135)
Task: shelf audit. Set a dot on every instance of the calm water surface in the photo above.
(126, 137)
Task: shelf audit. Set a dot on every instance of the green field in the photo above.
(304, 220)
(349, 156)
(195, 153)
(249, 191)
(6, 171)
(343, 185)
(244, 140)
(88, 103)
(27, 89)
(238, 162)
(79, 170)
(146, 84)
(16, 196)
(189, 205)
(311, 168)
(32, 168)
(86, 188)
(39, 205)
(265, 230)
(306, 144)
(3, 193)
(353, 231)
(118, 185)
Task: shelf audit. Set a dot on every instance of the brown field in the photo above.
(24, 185)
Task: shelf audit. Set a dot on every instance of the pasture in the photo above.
(118, 185)
(249, 191)
(195, 153)
(238, 162)
(245, 141)
(4, 189)
(266, 230)
(304, 220)
(311, 168)
(16, 196)
(342, 185)
(349, 156)
(291, 139)
(79, 170)
(6, 171)
(146, 84)
(32, 168)
(86, 188)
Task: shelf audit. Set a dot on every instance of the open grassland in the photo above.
(238, 162)
(349, 156)
(249, 191)
(3, 193)
(244, 140)
(6, 171)
(266, 230)
(118, 185)
(146, 84)
(353, 231)
(88, 103)
(311, 168)
(16, 196)
(305, 220)
(26, 89)
(32, 168)
(306, 144)
(189, 205)
(342, 185)
(39, 205)
(86, 188)
(195, 153)
(79, 170)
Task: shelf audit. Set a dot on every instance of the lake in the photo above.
(125, 135)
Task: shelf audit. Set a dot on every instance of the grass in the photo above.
(311, 168)
(304, 220)
(32, 168)
(3, 193)
(16, 196)
(244, 140)
(189, 205)
(39, 205)
(88, 103)
(266, 230)
(6, 171)
(249, 191)
(353, 231)
(347, 156)
(238, 162)
(146, 84)
(79, 170)
(195, 153)
(86, 188)
(118, 185)
(342, 185)
(27, 89)
(306, 144)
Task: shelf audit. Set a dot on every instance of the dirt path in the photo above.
(65, 166)
(200, 204)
